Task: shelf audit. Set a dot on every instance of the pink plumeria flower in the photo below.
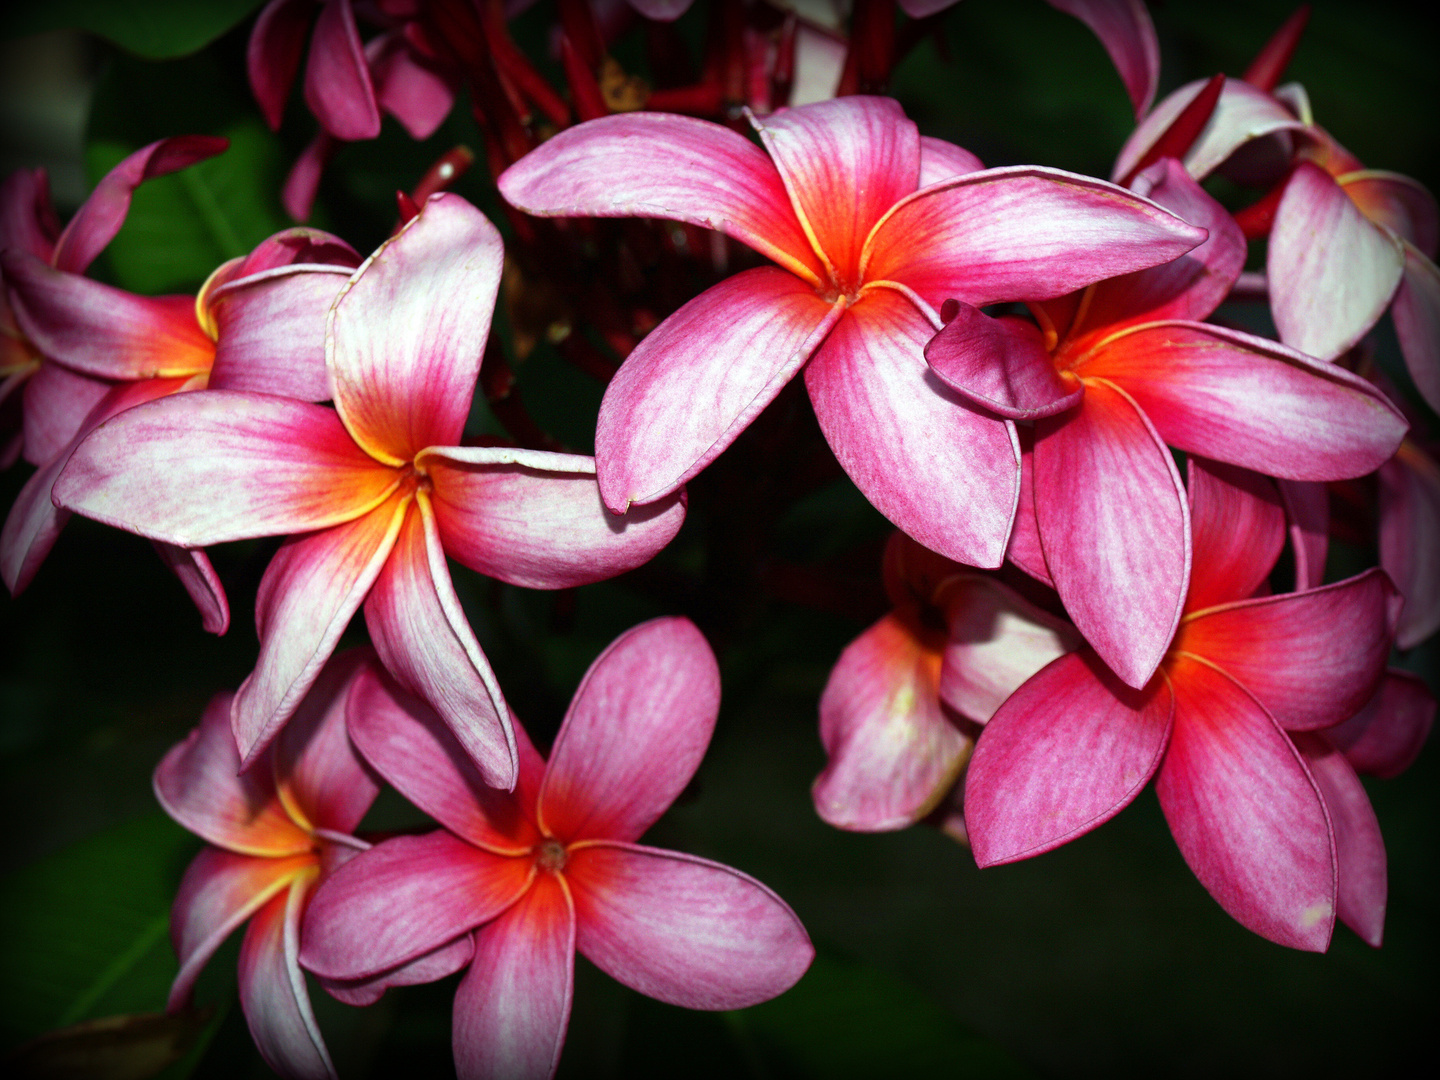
(151, 347)
(373, 494)
(1252, 815)
(872, 228)
(554, 867)
(902, 708)
(1112, 378)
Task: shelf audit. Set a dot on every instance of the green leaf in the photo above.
(85, 928)
(157, 29)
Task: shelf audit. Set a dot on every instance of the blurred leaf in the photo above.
(157, 29)
(112, 1048)
(85, 928)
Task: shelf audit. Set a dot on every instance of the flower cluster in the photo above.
(1093, 480)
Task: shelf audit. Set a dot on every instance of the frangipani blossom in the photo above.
(1116, 375)
(872, 227)
(153, 347)
(905, 701)
(1268, 829)
(554, 867)
(373, 494)
(278, 829)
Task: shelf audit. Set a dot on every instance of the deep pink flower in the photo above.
(872, 228)
(1114, 374)
(554, 867)
(1277, 834)
(373, 494)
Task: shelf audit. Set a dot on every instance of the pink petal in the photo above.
(1115, 528)
(310, 589)
(219, 891)
(297, 194)
(1001, 365)
(272, 56)
(1332, 272)
(411, 747)
(1417, 323)
(54, 406)
(634, 734)
(946, 473)
(1237, 530)
(1409, 526)
(1125, 29)
(192, 567)
(318, 775)
(892, 753)
(998, 640)
(1190, 287)
(1245, 812)
(102, 331)
(215, 465)
(101, 215)
(940, 160)
(408, 333)
(273, 994)
(666, 166)
(661, 10)
(1385, 737)
(438, 963)
(403, 898)
(684, 930)
(337, 79)
(1067, 752)
(1024, 548)
(1312, 658)
(420, 631)
(1243, 114)
(416, 95)
(270, 331)
(27, 221)
(844, 163)
(698, 379)
(1359, 848)
(1022, 233)
(513, 1005)
(1307, 506)
(1241, 399)
(1400, 204)
(200, 785)
(535, 519)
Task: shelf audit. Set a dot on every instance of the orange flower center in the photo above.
(550, 855)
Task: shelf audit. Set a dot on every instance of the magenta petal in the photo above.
(1242, 399)
(436, 964)
(297, 194)
(1332, 271)
(1307, 506)
(945, 472)
(1125, 29)
(1409, 528)
(1001, 365)
(54, 406)
(412, 747)
(417, 96)
(272, 56)
(892, 753)
(1022, 233)
(684, 930)
(337, 78)
(1385, 737)
(273, 994)
(1067, 752)
(634, 734)
(403, 898)
(1402, 205)
(311, 588)
(101, 215)
(27, 220)
(665, 166)
(1359, 848)
(513, 1005)
(1417, 323)
(1237, 529)
(31, 528)
(844, 163)
(1245, 812)
(192, 567)
(1024, 548)
(422, 636)
(1312, 658)
(535, 519)
(698, 379)
(940, 160)
(1115, 528)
